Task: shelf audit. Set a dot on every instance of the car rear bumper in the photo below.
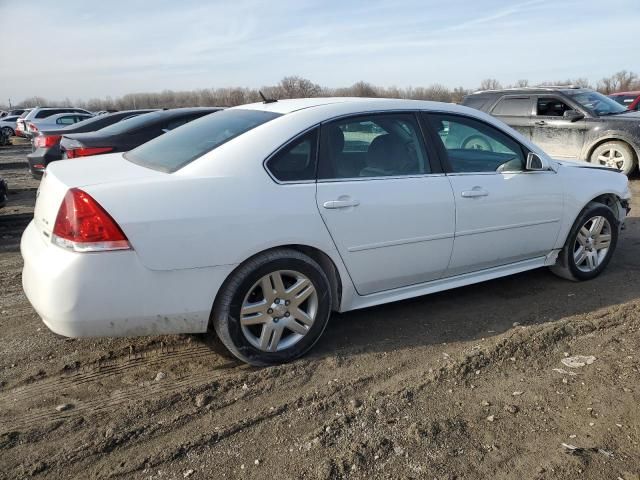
(112, 293)
(38, 161)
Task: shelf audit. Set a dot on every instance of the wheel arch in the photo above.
(326, 263)
(612, 137)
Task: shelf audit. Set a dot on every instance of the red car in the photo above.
(631, 100)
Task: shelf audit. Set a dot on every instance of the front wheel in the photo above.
(7, 131)
(273, 308)
(590, 244)
(615, 155)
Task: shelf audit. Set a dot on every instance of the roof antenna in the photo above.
(265, 99)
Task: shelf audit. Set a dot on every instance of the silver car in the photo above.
(52, 122)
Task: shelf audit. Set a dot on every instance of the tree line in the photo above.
(298, 87)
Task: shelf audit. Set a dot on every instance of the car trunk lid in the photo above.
(84, 172)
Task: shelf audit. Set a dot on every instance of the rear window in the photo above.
(175, 149)
(132, 123)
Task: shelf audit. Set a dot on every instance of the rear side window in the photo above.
(513, 106)
(475, 146)
(66, 120)
(296, 162)
(175, 149)
(388, 145)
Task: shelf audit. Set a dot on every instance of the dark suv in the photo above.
(568, 123)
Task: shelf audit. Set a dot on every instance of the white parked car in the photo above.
(53, 122)
(258, 221)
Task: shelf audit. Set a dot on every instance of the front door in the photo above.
(503, 213)
(558, 136)
(389, 212)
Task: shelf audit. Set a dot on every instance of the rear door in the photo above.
(559, 137)
(504, 214)
(515, 111)
(385, 201)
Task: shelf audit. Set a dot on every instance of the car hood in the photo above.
(622, 117)
(578, 164)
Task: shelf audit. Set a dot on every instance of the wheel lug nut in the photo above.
(287, 302)
(287, 314)
(275, 320)
(270, 311)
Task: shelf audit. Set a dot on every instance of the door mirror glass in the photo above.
(536, 163)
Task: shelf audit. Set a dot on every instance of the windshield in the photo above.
(130, 123)
(177, 148)
(596, 102)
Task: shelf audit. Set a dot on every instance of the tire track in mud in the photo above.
(95, 372)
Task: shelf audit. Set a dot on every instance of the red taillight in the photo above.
(32, 127)
(83, 225)
(46, 141)
(86, 151)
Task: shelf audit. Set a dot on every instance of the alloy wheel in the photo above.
(279, 310)
(592, 244)
(612, 158)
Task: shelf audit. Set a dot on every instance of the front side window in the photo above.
(372, 146)
(296, 162)
(175, 149)
(475, 146)
(513, 107)
(551, 107)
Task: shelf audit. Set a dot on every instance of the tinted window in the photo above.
(176, 149)
(372, 146)
(513, 106)
(48, 113)
(551, 107)
(476, 102)
(596, 102)
(474, 146)
(132, 123)
(296, 161)
(66, 120)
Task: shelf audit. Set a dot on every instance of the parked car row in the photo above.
(106, 133)
(630, 100)
(567, 122)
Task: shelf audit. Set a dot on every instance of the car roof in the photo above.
(532, 90)
(58, 115)
(364, 104)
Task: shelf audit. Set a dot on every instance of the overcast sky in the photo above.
(83, 48)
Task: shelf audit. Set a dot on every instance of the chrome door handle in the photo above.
(341, 203)
(541, 123)
(475, 192)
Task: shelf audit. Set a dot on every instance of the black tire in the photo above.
(628, 155)
(8, 131)
(565, 266)
(225, 317)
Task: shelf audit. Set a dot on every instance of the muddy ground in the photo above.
(465, 384)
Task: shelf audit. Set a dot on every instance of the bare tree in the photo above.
(298, 87)
(490, 84)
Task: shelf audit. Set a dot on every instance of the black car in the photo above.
(128, 134)
(568, 123)
(46, 145)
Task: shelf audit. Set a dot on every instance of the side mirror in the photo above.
(572, 115)
(535, 163)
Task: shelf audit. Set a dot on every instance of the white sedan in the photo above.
(258, 221)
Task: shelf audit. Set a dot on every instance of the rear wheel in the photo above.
(274, 308)
(615, 154)
(8, 131)
(590, 244)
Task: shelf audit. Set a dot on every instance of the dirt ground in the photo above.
(465, 384)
